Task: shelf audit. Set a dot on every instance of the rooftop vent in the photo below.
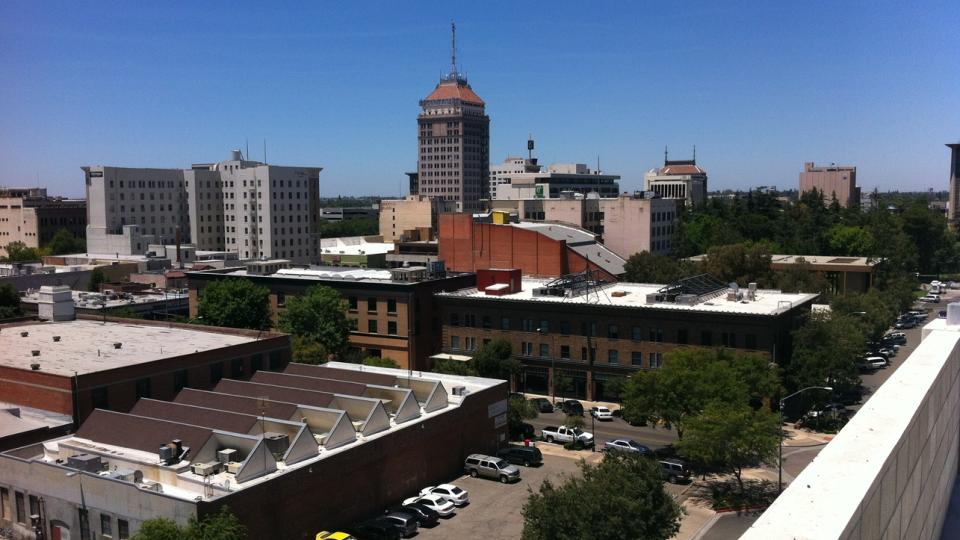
(277, 443)
(117, 345)
(24, 334)
(56, 339)
(35, 352)
(35, 366)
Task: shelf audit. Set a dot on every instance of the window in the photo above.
(485, 322)
(454, 342)
(34, 505)
(544, 350)
(470, 320)
(526, 348)
(504, 323)
(565, 328)
(588, 329)
(636, 333)
(256, 363)
(216, 373)
(4, 503)
(236, 368)
(656, 359)
(656, 335)
(583, 354)
(354, 324)
(454, 319)
(564, 352)
(371, 305)
(123, 529)
(544, 326)
(106, 525)
(143, 388)
(372, 326)
(391, 305)
(706, 338)
(750, 341)
(613, 356)
(636, 358)
(21, 511)
(613, 331)
(352, 303)
(281, 300)
(682, 336)
(470, 343)
(100, 398)
(275, 361)
(528, 325)
(392, 328)
(728, 339)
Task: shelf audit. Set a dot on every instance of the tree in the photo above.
(380, 362)
(621, 497)
(97, 278)
(801, 278)
(9, 301)
(220, 526)
(495, 360)
(159, 529)
(19, 252)
(308, 351)
(824, 353)
(730, 437)
(690, 379)
(518, 410)
(319, 315)
(65, 242)
(741, 263)
(646, 267)
(235, 303)
(453, 367)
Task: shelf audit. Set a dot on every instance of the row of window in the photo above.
(18, 513)
(352, 303)
(373, 327)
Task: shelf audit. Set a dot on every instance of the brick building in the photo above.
(392, 311)
(314, 448)
(537, 249)
(589, 331)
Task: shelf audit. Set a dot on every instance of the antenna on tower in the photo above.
(246, 155)
(665, 158)
(264, 150)
(530, 146)
(453, 48)
(694, 154)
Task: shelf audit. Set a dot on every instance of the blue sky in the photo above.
(759, 87)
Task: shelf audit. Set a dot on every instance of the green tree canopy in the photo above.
(235, 303)
(65, 242)
(741, 263)
(801, 278)
(159, 529)
(518, 410)
(495, 360)
(646, 267)
(320, 316)
(97, 278)
(308, 351)
(380, 362)
(220, 526)
(730, 437)
(824, 352)
(620, 498)
(453, 367)
(9, 301)
(19, 252)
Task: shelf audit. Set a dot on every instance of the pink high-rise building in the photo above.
(834, 181)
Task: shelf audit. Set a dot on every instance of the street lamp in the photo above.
(780, 459)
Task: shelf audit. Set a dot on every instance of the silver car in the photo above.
(491, 467)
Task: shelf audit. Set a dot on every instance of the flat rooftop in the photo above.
(830, 262)
(634, 295)
(328, 273)
(86, 346)
(102, 301)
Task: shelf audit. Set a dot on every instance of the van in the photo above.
(674, 470)
(522, 455)
(491, 467)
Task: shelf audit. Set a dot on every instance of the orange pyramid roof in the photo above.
(455, 90)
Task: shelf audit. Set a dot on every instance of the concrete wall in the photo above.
(839, 182)
(890, 471)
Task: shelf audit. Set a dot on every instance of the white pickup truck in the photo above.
(564, 434)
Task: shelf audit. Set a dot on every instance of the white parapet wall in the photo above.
(889, 473)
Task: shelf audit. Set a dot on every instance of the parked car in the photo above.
(830, 409)
(625, 445)
(542, 404)
(601, 413)
(491, 467)
(522, 455)
(450, 492)
(327, 535)
(405, 521)
(436, 503)
(877, 362)
(572, 407)
(674, 470)
(425, 516)
(564, 434)
(905, 324)
(378, 529)
(931, 298)
(898, 338)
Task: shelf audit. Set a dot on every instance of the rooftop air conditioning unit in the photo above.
(234, 467)
(227, 455)
(167, 454)
(459, 390)
(206, 469)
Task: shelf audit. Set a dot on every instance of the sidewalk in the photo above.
(586, 404)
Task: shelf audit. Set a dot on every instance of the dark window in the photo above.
(544, 326)
(216, 373)
(352, 303)
(682, 336)
(504, 323)
(21, 511)
(588, 329)
(100, 398)
(706, 338)
(728, 339)
(613, 356)
(613, 331)
(455, 342)
(236, 368)
(454, 319)
(123, 529)
(391, 305)
(34, 505)
(4, 503)
(256, 363)
(636, 358)
(583, 354)
(392, 328)
(485, 321)
(656, 335)
(371, 305)
(106, 525)
(750, 341)
(180, 380)
(143, 388)
(636, 333)
(544, 350)
(565, 328)
(470, 320)
(275, 361)
(526, 348)
(372, 326)
(528, 325)
(354, 324)
(281, 299)
(565, 352)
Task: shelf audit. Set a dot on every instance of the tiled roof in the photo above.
(682, 169)
(449, 90)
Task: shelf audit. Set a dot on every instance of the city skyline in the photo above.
(760, 89)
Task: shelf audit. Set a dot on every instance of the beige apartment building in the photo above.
(626, 224)
(247, 207)
(412, 218)
(30, 216)
(833, 181)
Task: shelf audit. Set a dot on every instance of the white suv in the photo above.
(601, 413)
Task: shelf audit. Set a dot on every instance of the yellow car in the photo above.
(324, 535)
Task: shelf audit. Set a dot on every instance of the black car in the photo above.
(572, 407)
(521, 455)
(542, 404)
(425, 516)
(525, 431)
(378, 529)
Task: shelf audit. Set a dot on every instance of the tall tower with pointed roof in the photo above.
(454, 140)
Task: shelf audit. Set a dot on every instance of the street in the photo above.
(610, 430)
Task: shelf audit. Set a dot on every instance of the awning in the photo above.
(455, 357)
